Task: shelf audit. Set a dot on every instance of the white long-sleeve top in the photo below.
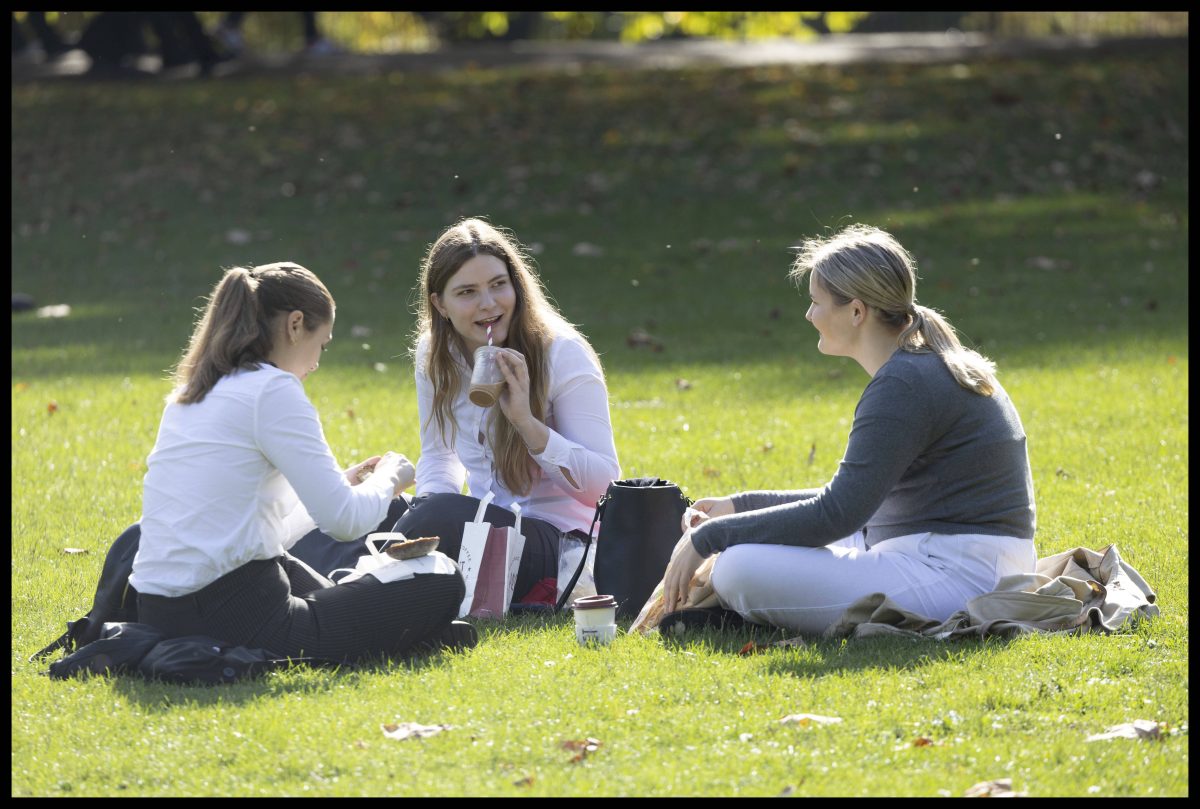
(580, 441)
(242, 475)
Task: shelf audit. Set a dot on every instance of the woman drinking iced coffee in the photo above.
(546, 443)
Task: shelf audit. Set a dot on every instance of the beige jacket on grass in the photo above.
(1072, 592)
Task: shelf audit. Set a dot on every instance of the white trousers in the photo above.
(807, 589)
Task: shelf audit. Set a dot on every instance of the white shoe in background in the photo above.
(322, 47)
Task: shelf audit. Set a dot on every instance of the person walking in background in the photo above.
(114, 40)
(52, 45)
(229, 35)
(240, 470)
(932, 502)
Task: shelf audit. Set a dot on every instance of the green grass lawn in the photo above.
(1046, 201)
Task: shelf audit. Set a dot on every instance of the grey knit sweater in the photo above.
(924, 455)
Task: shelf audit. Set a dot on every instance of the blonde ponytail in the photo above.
(929, 331)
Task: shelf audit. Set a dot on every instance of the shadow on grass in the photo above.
(305, 679)
(297, 679)
(815, 657)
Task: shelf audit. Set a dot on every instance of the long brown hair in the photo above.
(867, 263)
(535, 322)
(235, 327)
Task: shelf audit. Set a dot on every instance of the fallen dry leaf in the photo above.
(1137, 729)
(1000, 788)
(923, 741)
(751, 648)
(412, 730)
(805, 720)
(787, 642)
(52, 407)
(581, 748)
(72, 551)
(527, 781)
(683, 384)
(640, 338)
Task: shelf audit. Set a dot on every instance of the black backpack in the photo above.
(115, 600)
(132, 648)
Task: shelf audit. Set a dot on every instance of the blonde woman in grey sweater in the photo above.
(932, 502)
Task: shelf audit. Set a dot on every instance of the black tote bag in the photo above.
(640, 524)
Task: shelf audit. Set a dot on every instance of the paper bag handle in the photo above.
(515, 508)
(483, 504)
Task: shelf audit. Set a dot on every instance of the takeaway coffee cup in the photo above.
(487, 380)
(595, 619)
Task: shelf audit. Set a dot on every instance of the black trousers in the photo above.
(442, 515)
(287, 607)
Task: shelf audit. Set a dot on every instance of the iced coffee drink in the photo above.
(487, 380)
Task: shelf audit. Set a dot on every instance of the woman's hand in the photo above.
(361, 470)
(703, 510)
(514, 399)
(685, 559)
(403, 467)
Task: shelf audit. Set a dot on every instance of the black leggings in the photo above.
(285, 606)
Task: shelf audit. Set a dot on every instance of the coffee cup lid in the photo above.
(596, 602)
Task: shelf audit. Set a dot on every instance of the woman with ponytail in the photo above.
(241, 470)
(546, 445)
(932, 502)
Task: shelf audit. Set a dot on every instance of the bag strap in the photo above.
(483, 504)
(65, 640)
(374, 551)
(562, 600)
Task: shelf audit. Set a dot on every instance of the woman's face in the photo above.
(478, 295)
(831, 320)
(303, 356)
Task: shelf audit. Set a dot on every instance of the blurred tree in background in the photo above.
(390, 31)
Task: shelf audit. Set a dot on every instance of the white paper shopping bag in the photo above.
(490, 558)
(515, 546)
(470, 553)
(386, 569)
